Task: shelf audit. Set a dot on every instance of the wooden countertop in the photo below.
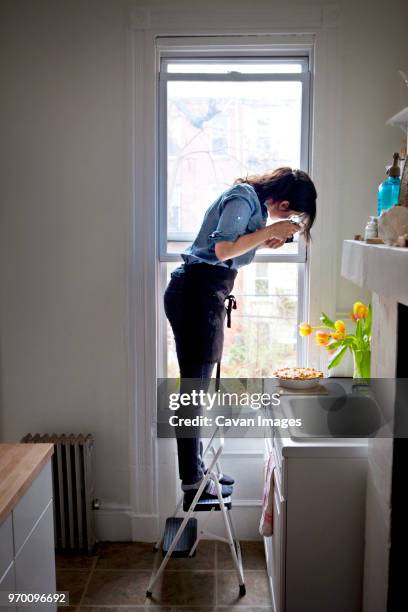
(19, 465)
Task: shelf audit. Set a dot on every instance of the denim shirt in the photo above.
(236, 212)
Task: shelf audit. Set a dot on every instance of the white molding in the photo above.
(146, 23)
(242, 20)
(325, 169)
(142, 284)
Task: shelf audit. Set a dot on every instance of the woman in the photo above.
(233, 228)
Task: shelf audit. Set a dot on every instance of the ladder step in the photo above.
(205, 505)
(187, 539)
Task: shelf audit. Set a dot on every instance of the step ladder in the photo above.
(180, 537)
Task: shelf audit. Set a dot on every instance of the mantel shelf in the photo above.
(378, 268)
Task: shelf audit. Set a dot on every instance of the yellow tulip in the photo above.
(340, 327)
(305, 329)
(337, 335)
(360, 311)
(322, 338)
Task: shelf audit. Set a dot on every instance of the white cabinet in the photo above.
(315, 555)
(27, 557)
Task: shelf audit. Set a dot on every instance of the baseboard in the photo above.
(118, 523)
(145, 527)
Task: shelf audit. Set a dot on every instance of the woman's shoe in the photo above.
(210, 492)
(224, 479)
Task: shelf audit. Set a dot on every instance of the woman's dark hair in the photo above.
(295, 186)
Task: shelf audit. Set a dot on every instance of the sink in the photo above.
(336, 416)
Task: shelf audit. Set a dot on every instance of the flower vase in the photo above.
(362, 363)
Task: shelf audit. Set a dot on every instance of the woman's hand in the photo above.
(282, 230)
(279, 232)
(273, 243)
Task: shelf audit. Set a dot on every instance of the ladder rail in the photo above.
(231, 538)
(180, 530)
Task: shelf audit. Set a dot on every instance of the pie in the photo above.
(298, 373)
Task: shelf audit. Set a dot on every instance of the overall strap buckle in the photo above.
(231, 305)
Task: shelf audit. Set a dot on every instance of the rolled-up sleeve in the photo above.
(233, 221)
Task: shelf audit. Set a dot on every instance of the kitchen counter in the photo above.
(328, 447)
(321, 418)
(19, 466)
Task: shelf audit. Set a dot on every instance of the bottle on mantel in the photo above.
(388, 191)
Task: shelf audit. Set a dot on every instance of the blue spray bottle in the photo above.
(388, 191)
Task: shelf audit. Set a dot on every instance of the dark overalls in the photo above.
(194, 303)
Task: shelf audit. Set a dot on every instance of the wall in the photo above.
(66, 206)
(374, 48)
(65, 216)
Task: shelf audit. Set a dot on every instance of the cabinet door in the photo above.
(8, 583)
(278, 546)
(31, 505)
(275, 548)
(35, 562)
(6, 545)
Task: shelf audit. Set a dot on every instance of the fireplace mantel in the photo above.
(383, 271)
(379, 268)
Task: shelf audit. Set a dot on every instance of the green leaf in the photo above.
(368, 321)
(335, 345)
(337, 358)
(326, 320)
(359, 330)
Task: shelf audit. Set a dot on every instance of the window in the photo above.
(220, 133)
(219, 119)
(261, 278)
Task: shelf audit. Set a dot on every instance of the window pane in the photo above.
(216, 67)
(263, 335)
(218, 131)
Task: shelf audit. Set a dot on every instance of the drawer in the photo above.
(6, 544)
(31, 505)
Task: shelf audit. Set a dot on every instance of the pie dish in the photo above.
(298, 378)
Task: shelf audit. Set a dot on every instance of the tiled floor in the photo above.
(116, 579)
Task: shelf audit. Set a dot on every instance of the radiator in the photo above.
(73, 490)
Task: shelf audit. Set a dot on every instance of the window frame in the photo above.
(189, 55)
(164, 77)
